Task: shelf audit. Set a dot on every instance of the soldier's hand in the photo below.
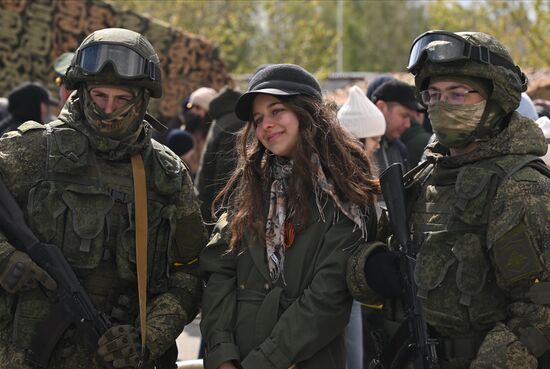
(19, 273)
(382, 274)
(121, 345)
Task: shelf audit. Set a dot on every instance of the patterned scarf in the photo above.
(277, 214)
(276, 217)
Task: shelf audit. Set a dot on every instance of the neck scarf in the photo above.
(277, 214)
(276, 217)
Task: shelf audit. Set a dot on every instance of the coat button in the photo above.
(241, 286)
(266, 286)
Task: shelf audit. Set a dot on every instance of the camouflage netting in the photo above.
(34, 33)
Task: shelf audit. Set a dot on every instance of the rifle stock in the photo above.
(72, 303)
(391, 181)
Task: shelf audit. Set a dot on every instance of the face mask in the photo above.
(454, 124)
(119, 123)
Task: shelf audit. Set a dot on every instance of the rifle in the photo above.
(72, 304)
(423, 347)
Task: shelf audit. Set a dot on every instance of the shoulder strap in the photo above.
(533, 162)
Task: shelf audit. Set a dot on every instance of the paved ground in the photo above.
(189, 341)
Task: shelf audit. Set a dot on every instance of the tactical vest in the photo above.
(85, 206)
(454, 274)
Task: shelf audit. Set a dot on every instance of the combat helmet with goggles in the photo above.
(472, 54)
(130, 56)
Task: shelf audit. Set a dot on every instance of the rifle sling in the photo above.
(140, 196)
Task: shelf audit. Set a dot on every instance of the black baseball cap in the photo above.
(397, 91)
(279, 80)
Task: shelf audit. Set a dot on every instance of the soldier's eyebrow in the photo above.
(452, 87)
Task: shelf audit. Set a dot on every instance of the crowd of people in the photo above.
(263, 210)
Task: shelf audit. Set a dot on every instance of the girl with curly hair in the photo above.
(298, 204)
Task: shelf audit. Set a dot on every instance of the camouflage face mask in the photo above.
(118, 124)
(454, 125)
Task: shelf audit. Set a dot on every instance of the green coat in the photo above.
(261, 325)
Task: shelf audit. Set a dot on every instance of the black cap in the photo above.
(279, 80)
(24, 101)
(376, 82)
(26, 91)
(179, 141)
(399, 92)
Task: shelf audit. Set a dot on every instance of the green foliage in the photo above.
(523, 27)
(376, 35)
(251, 33)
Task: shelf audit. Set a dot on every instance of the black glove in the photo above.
(19, 273)
(382, 274)
(121, 345)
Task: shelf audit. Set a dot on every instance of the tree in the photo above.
(523, 27)
(378, 34)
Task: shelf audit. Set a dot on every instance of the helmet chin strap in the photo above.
(491, 122)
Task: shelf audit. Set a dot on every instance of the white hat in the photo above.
(202, 97)
(360, 116)
(544, 124)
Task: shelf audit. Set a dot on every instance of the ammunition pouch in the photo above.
(459, 347)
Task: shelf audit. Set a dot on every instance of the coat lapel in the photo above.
(257, 252)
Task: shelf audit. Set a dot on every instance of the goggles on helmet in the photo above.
(442, 47)
(126, 62)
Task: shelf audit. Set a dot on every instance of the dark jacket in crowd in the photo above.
(391, 152)
(219, 157)
(415, 139)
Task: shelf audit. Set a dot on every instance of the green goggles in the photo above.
(126, 62)
(443, 47)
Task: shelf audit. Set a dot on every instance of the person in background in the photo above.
(544, 124)
(364, 121)
(78, 182)
(199, 101)
(397, 102)
(543, 107)
(479, 209)
(416, 137)
(377, 82)
(197, 121)
(60, 66)
(181, 143)
(28, 101)
(360, 117)
(219, 157)
(3, 108)
(276, 294)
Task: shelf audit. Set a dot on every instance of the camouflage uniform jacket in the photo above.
(81, 200)
(483, 242)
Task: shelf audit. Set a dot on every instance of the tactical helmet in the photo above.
(131, 58)
(475, 54)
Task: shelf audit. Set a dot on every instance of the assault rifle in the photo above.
(71, 303)
(423, 348)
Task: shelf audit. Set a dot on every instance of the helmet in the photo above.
(116, 56)
(474, 54)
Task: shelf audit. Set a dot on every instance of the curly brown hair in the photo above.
(342, 158)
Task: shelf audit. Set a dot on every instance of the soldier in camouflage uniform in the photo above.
(479, 211)
(73, 178)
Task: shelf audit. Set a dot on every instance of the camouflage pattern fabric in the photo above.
(81, 199)
(482, 248)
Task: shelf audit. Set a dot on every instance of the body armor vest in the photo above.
(85, 206)
(454, 273)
